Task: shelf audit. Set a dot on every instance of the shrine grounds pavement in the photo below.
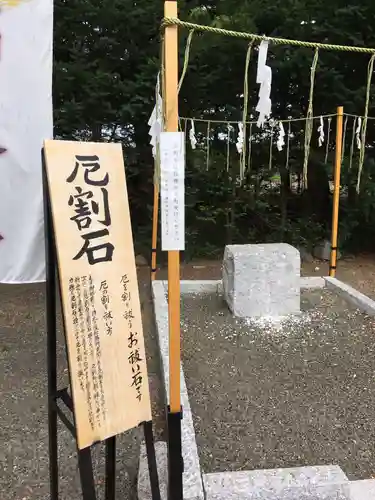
(23, 403)
(270, 394)
(350, 436)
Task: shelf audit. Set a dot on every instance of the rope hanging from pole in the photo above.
(185, 132)
(235, 122)
(172, 21)
(250, 147)
(344, 139)
(288, 147)
(309, 121)
(186, 59)
(245, 107)
(192, 27)
(271, 146)
(328, 137)
(352, 143)
(208, 145)
(288, 153)
(365, 118)
(158, 92)
(228, 147)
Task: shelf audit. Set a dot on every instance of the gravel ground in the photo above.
(23, 397)
(23, 422)
(268, 394)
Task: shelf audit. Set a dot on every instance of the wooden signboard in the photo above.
(98, 282)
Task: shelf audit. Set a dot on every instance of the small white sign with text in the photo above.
(172, 190)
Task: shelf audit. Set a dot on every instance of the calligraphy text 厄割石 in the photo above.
(89, 215)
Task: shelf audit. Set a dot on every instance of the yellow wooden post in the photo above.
(175, 464)
(154, 242)
(336, 192)
(171, 125)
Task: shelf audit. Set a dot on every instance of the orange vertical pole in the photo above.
(171, 125)
(175, 464)
(154, 241)
(336, 192)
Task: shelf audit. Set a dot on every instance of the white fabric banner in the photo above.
(26, 29)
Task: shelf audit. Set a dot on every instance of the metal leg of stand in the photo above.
(151, 459)
(110, 468)
(86, 474)
(53, 449)
(51, 343)
(175, 460)
(52, 410)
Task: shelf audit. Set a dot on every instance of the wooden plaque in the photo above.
(99, 289)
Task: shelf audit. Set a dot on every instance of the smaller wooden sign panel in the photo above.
(99, 288)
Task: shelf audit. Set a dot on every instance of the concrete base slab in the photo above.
(277, 478)
(327, 492)
(352, 295)
(300, 483)
(311, 282)
(305, 483)
(144, 486)
(362, 490)
(193, 487)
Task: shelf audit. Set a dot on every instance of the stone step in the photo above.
(328, 491)
(362, 490)
(300, 483)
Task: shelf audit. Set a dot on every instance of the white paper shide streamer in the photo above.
(240, 138)
(193, 140)
(26, 30)
(321, 132)
(281, 137)
(264, 78)
(156, 120)
(358, 133)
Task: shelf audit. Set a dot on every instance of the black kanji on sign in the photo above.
(136, 369)
(93, 252)
(91, 165)
(85, 206)
(137, 379)
(132, 340)
(134, 357)
(128, 314)
(108, 315)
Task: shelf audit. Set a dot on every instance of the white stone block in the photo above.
(262, 280)
(298, 483)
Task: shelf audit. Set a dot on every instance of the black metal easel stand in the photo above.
(59, 400)
(175, 459)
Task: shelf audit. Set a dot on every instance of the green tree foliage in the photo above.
(106, 62)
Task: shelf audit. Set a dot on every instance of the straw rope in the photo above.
(172, 21)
